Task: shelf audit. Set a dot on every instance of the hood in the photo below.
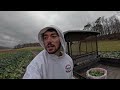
(60, 33)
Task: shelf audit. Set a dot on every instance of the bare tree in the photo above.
(87, 27)
(112, 24)
(98, 25)
(117, 25)
(107, 28)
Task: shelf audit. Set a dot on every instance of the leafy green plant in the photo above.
(110, 54)
(13, 65)
(96, 73)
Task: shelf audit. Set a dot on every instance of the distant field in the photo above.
(21, 49)
(109, 45)
(109, 49)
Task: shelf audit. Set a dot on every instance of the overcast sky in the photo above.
(23, 26)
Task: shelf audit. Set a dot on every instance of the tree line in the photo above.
(105, 26)
(26, 45)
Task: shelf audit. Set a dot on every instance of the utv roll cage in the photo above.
(82, 46)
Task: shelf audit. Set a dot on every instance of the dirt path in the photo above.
(34, 52)
(7, 50)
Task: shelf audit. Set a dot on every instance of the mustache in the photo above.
(50, 45)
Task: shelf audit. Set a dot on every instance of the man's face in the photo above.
(51, 41)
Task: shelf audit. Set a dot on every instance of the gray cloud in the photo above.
(23, 26)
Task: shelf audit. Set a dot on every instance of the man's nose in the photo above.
(49, 39)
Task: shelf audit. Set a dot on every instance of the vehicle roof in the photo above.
(76, 35)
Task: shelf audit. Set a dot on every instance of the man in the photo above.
(52, 62)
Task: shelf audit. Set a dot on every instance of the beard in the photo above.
(53, 46)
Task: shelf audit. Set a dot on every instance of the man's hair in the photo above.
(50, 30)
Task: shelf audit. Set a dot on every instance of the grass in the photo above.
(109, 45)
(109, 48)
(106, 48)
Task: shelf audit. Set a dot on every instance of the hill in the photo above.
(2, 47)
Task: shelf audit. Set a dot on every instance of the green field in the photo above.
(109, 45)
(102, 46)
(109, 49)
(13, 63)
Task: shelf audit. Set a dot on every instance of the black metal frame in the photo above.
(90, 58)
(78, 35)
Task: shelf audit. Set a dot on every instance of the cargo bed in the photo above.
(111, 65)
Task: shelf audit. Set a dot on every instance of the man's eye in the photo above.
(44, 38)
(54, 36)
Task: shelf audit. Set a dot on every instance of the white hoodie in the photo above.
(50, 66)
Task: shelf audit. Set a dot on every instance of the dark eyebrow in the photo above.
(54, 34)
(50, 30)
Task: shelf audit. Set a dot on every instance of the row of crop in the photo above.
(13, 65)
(110, 54)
